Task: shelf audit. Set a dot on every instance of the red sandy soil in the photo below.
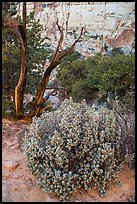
(19, 185)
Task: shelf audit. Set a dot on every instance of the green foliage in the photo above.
(9, 8)
(7, 107)
(10, 61)
(117, 73)
(117, 51)
(83, 79)
(10, 50)
(75, 147)
(65, 72)
(37, 53)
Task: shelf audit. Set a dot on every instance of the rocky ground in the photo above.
(18, 185)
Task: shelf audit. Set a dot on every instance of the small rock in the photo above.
(6, 176)
(10, 144)
(49, 199)
(11, 165)
(77, 200)
(21, 186)
(16, 177)
(29, 184)
(16, 145)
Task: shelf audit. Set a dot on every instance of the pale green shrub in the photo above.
(74, 147)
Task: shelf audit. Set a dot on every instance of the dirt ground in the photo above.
(19, 185)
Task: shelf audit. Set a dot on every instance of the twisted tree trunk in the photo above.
(19, 90)
(59, 54)
(20, 32)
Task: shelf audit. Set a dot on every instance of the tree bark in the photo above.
(20, 32)
(41, 89)
(18, 12)
(59, 54)
(19, 90)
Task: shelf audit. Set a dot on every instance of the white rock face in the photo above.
(115, 21)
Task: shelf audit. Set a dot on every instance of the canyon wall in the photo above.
(105, 23)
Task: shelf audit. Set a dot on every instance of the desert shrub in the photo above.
(74, 147)
(124, 108)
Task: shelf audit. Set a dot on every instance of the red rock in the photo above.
(123, 39)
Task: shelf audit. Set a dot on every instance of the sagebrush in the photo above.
(74, 147)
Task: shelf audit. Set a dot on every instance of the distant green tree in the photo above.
(9, 8)
(37, 52)
(76, 77)
(66, 71)
(116, 73)
(84, 79)
(19, 30)
(10, 61)
(10, 52)
(117, 51)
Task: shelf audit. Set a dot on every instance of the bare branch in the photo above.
(62, 54)
(51, 93)
(59, 47)
(46, 107)
(54, 62)
(69, 50)
(61, 37)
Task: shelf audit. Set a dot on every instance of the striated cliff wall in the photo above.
(111, 23)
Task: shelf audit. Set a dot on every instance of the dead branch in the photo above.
(63, 53)
(61, 36)
(68, 15)
(60, 53)
(51, 93)
(59, 47)
(45, 108)
(69, 50)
